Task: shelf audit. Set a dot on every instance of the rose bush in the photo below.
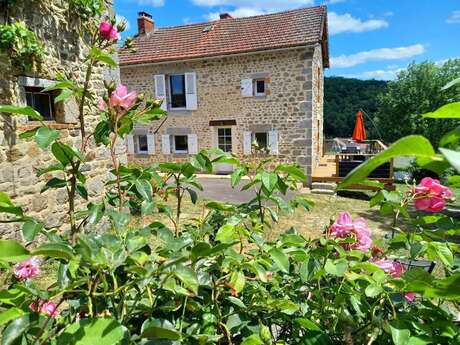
(216, 279)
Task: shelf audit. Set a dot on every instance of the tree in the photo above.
(343, 98)
(414, 92)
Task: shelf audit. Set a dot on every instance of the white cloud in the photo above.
(344, 61)
(123, 19)
(239, 12)
(381, 74)
(339, 23)
(454, 18)
(154, 3)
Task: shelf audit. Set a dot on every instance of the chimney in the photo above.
(145, 23)
(225, 16)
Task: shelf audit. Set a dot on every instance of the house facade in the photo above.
(20, 159)
(231, 82)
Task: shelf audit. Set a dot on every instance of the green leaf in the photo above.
(253, 340)
(269, 180)
(29, 134)
(238, 281)
(45, 136)
(281, 259)
(193, 195)
(399, 333)
(60, 85)
(226, 234)
(10, 314)
(412, 146)
(448, 111)
(51, 168)
(373, 290)
(441, 251)
(336, 267)
(101, 56)
(54, 250)
(159, 329)
(81, 190)
(188, 277)
(54, 183)
(16, 328)
(28, 111)
(144, 188)
(308, 324)
(12, 251)
(95, 213)
(293, 171)
(236, 176)
(237, 302)
(101, 331)
(450, 138)
(30, 229)
(65, 154)
(7, 206)
(63, 95)
(453, 157)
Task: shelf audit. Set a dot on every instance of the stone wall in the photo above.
(20, 159)
(290, 107)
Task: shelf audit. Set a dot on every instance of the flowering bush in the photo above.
(216, 279)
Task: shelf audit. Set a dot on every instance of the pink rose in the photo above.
(27, 269)
(108, 31)
(47, 308)
(358, 230)
(121, 98)
(431, 195)
(391, 267)
(409, 296)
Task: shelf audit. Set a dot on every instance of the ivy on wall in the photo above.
(87, 9)
(21, 44)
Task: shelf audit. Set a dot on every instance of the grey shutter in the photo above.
(191, 97)
(130, 144)
(166, 144)
(160, 90)
(247, 88)
(247, 143)
(273, 142)
(192, 144)
(151, 144)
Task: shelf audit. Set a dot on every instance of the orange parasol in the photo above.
(359, 134)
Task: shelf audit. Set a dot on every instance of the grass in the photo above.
(310, 224)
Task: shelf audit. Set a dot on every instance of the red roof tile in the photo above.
(231, 36)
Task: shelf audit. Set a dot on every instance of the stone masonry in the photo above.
(20, 159)
(293, 106)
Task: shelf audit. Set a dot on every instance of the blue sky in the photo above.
(368, 38)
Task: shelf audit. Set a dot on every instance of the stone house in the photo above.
(229, 82)
(19, 159)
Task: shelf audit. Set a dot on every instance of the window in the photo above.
(261, 139)
(177, 91)
(43, 102)
(141, 144)
(224, 137)
(180, 144)
(259, 87)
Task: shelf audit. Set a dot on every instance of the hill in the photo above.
(343, 98)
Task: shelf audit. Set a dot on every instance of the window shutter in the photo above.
(273, 142)
(247, 88)
(192, 144)
(160, 90)
(151, 144)
(247, 143)
(190, 91)
(130, 144)
(165, 144)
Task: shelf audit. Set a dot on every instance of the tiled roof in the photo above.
(231, 36)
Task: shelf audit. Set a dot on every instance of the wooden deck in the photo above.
(326, 171)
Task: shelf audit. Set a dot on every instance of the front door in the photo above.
(225, 143)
